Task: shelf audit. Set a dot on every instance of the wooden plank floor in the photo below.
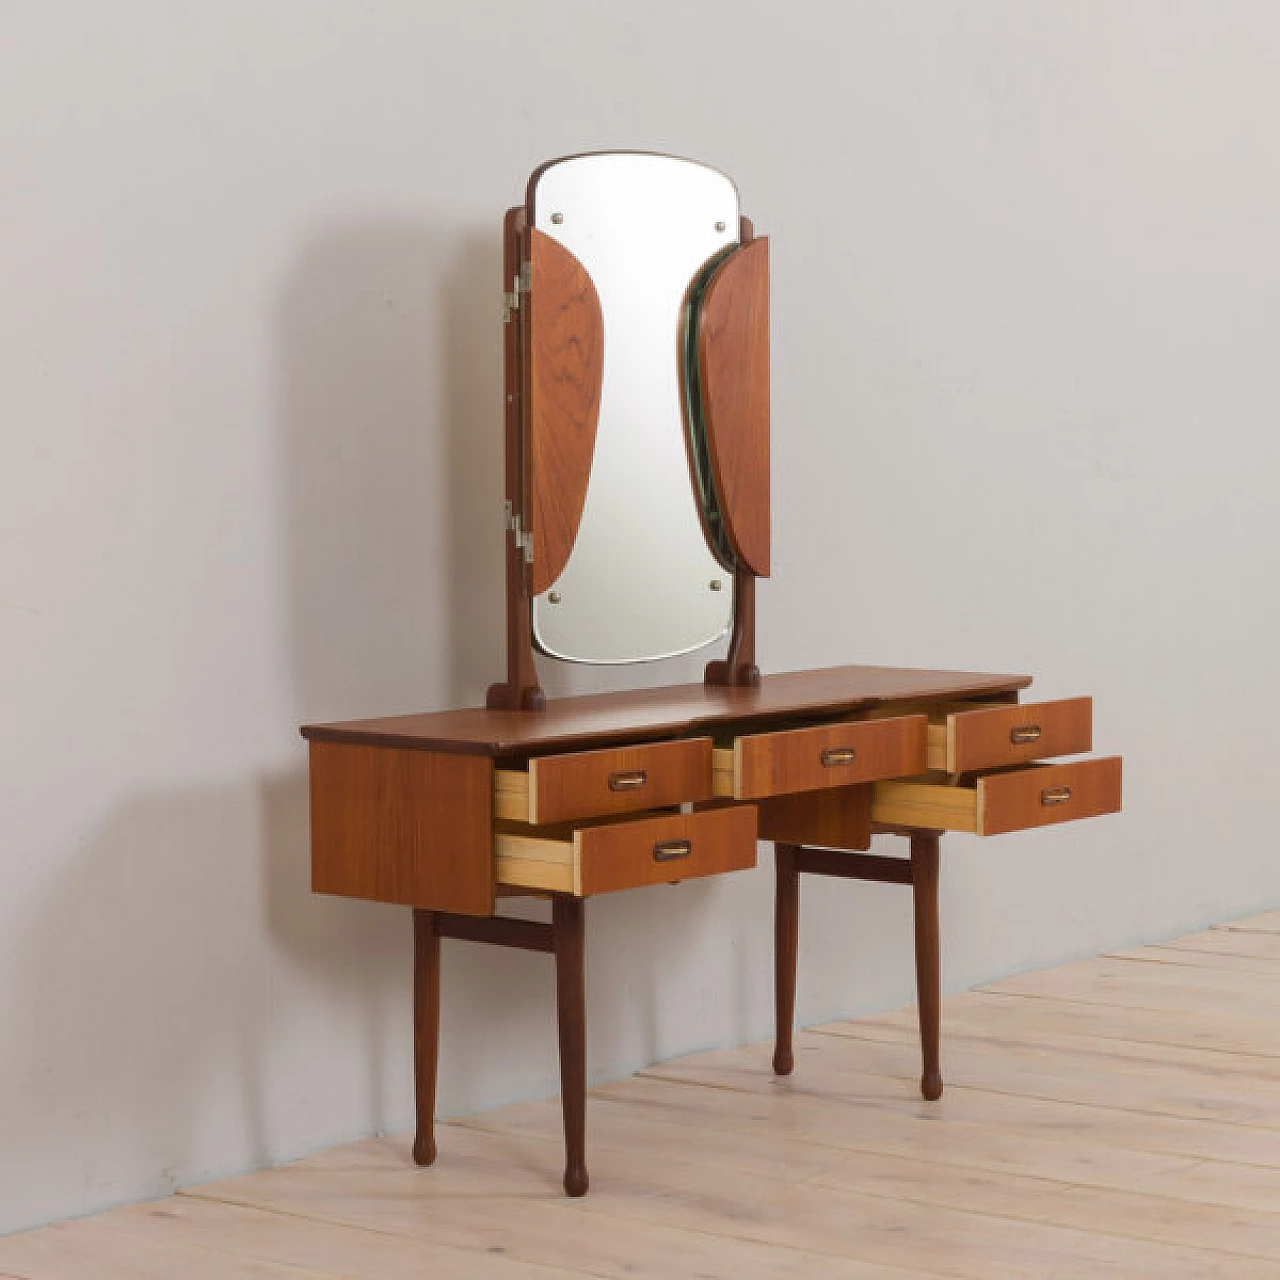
(1116, 1117)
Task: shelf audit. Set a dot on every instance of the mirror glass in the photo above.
(641, 582)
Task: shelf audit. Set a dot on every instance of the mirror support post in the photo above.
(738, 667)
(520, 691)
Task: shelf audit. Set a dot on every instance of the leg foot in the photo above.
(786, 930)
(426, 1031)
(567, 928)
(924, 881)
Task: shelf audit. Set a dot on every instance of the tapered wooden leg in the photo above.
(924, 880)
(786, 932)
(567, 928)
(426, 1031)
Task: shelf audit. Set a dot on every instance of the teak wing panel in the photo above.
(733, 359)
(409, 827)
(563, 378)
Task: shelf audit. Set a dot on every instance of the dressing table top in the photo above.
(601, 719)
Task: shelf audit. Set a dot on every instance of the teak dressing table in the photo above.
(636, 357)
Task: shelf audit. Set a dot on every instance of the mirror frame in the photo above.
(723, 354)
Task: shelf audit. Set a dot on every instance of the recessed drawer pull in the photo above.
(1025, 733)
(628, 780)
(672, 850)
(1055, 795)
(833, 756)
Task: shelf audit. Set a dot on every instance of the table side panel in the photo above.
(401, 826)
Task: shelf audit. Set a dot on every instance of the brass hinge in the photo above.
(523, 537)
(511, 301)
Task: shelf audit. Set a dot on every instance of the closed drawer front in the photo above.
(833, 818)
(1015, 800)
(834, 755)
(628, 855)
(595, 784)
(992, 737)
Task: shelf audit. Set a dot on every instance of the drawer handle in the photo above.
(1055, 795)
(628, 780)
(1025, 733)
(833, 756)
(672, 850)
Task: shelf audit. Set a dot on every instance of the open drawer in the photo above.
(995, 736)
(1011, 800)
(820, 756)
(596, 784)
(628, 854)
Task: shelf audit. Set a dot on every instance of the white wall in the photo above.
(1027, 294)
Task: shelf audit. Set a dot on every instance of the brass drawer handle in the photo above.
(628, 780)
(833, 756)
(672, 850)
(1055, 795)
(1025, 733)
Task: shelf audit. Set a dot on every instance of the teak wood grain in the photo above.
(1001, 802)
(604, 719)
(733, 359)
(989, 739)
(564, 377)
(408, 827)
(837, 818)
(520, 689)
(622, 855)
(773, 764)
(592, 784)
(1018, 801)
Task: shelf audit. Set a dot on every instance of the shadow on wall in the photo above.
(391, 465)
(391, 404)
(196, 1047)
(250, 1019)
(160, 1052)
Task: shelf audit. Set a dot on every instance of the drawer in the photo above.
(1012, 800)
(595, 784)
(630, 854)
(829, 755)
(994, 736)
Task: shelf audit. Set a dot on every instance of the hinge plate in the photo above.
(511, 300)
(523, 537)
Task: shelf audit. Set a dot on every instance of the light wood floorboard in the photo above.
(1117, 1117)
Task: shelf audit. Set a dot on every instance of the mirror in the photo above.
(641, 581)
